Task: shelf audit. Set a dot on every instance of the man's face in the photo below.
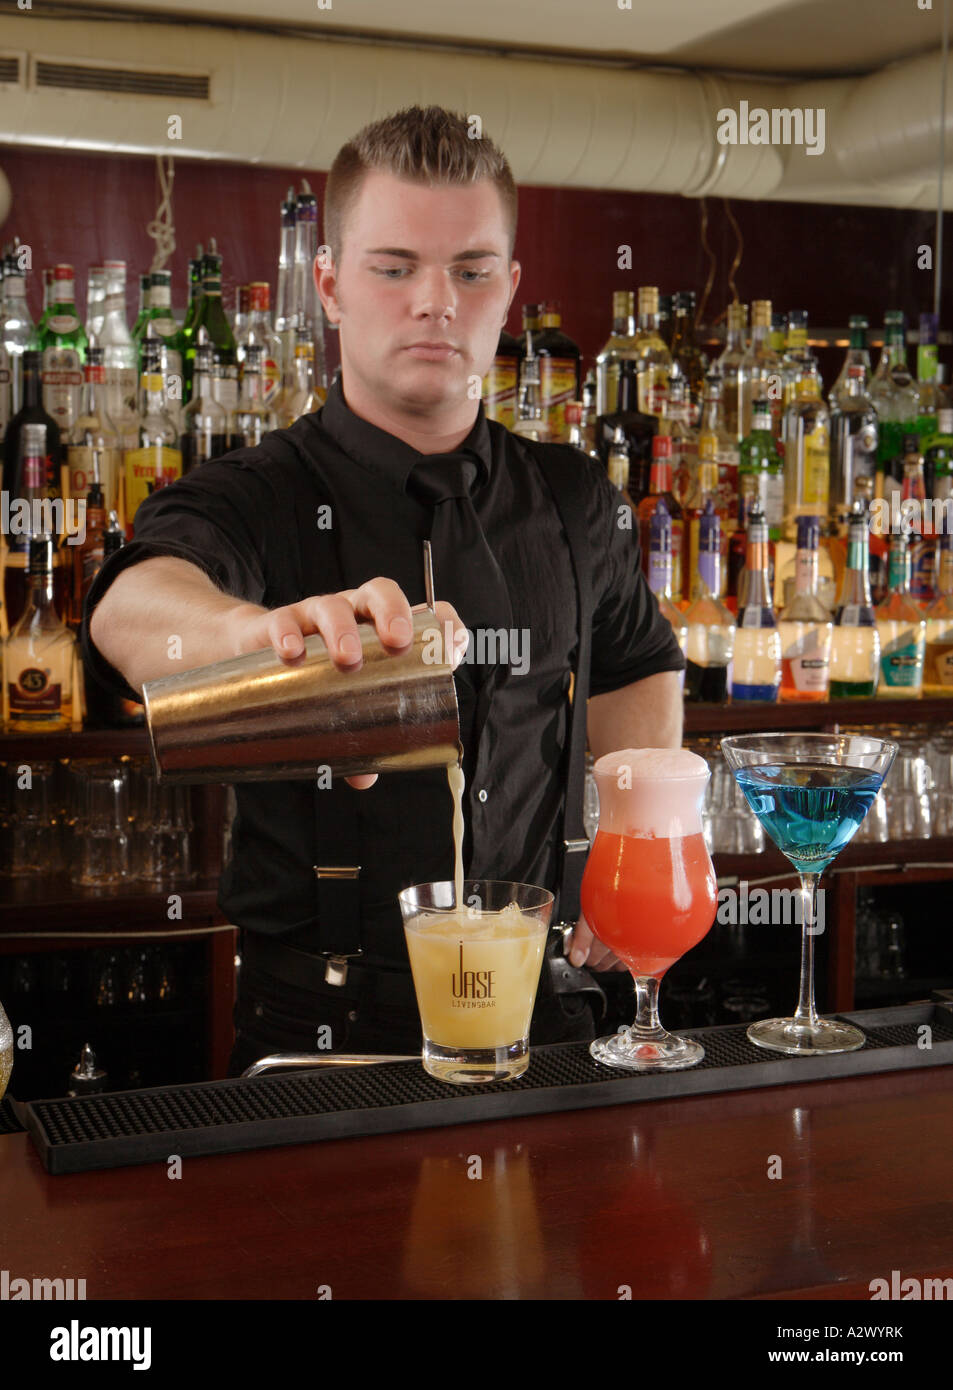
(421, 292)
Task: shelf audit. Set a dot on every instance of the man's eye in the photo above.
(476, 275)
(390, 272)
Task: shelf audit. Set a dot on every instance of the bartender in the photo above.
(322, 526)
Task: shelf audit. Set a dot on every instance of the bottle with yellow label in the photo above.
(501, 383)
(558, 371)
(157, 461)
(654, 358)
(807, 452)
(93, 450)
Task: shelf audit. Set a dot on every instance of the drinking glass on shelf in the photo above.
(649, 890)
(167, 826)
(102, 829)
(941, 761)
(906, 791)
(875, 828)
(6, 1052)
(33, 823)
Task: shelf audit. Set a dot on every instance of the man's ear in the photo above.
(325, 280)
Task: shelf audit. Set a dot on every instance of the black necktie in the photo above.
(466, 573)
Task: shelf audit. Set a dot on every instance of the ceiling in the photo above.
(807, 38)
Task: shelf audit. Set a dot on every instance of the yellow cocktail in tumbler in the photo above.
(475, 972)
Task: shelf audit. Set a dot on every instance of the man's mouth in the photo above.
(432, 351)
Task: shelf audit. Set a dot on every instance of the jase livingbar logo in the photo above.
(782, 125)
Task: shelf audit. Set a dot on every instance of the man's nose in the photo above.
(435, 295)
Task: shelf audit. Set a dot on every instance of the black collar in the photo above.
(385, 453)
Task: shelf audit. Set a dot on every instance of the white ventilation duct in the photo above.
(292, 103)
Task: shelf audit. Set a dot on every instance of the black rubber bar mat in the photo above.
(215, 1117)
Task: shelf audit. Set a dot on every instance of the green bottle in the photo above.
(938, 458)
(210, 316)
(761, 468)
(62, 340)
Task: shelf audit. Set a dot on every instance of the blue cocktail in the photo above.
(810, 792)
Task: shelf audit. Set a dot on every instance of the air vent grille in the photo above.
(78, 77)
(9, 68)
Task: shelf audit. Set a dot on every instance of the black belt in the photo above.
(305, 971)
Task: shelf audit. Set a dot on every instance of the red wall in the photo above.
(832, 261)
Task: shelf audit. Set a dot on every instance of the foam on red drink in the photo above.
(649, 890)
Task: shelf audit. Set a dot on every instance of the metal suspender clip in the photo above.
(335, 970)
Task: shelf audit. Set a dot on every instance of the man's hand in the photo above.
(588, 950)
(334, 617)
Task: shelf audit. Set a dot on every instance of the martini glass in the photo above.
(810, 792)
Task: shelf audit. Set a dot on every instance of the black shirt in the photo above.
(255, 524)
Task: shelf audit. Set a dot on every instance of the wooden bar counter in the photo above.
(672, 1199)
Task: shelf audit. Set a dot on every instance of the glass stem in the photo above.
(805, 1012)
(647, 1027)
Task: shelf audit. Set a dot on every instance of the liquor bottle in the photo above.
(854, 434)
(240, 316)
(253, 418)
(620, 343)
(530, 419)
(938, 656)
(308, 309)
(704, 492)
(205, 429)
(710, 636)
(927, 375)
(618, 462)
(653, 357)
(92, 448)
(659, 571)
(797, 354)
(660, 490)
(105, 709)
(160, 323)
(761, 469)
(6, 391)
(778, 334)
(187, 331)
(676, 423)
(95, 301)
(715, 442)
(145, 285)
(896, 401)
(763, 366)
(284, 298)
(638, 428)
(38, 656)
(666, 319)
(855, 649)
(588, 421)
(558, 370)
(16, 327)
(501, 383)
(807, 452)
(121, 355)
(32, 412)
(901, 628)
(301, 396)
(87, 557)
(210, 315)
(733, 367)
(685, 351)
(938, 458)
(157, 460)
(857, 356)
(756, 669)
(63, 344)
(258, 332)
(805, 625)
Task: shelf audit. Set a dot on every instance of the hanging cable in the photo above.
(938, 270)
(162, 227)
(713, 261)
(739, 252)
